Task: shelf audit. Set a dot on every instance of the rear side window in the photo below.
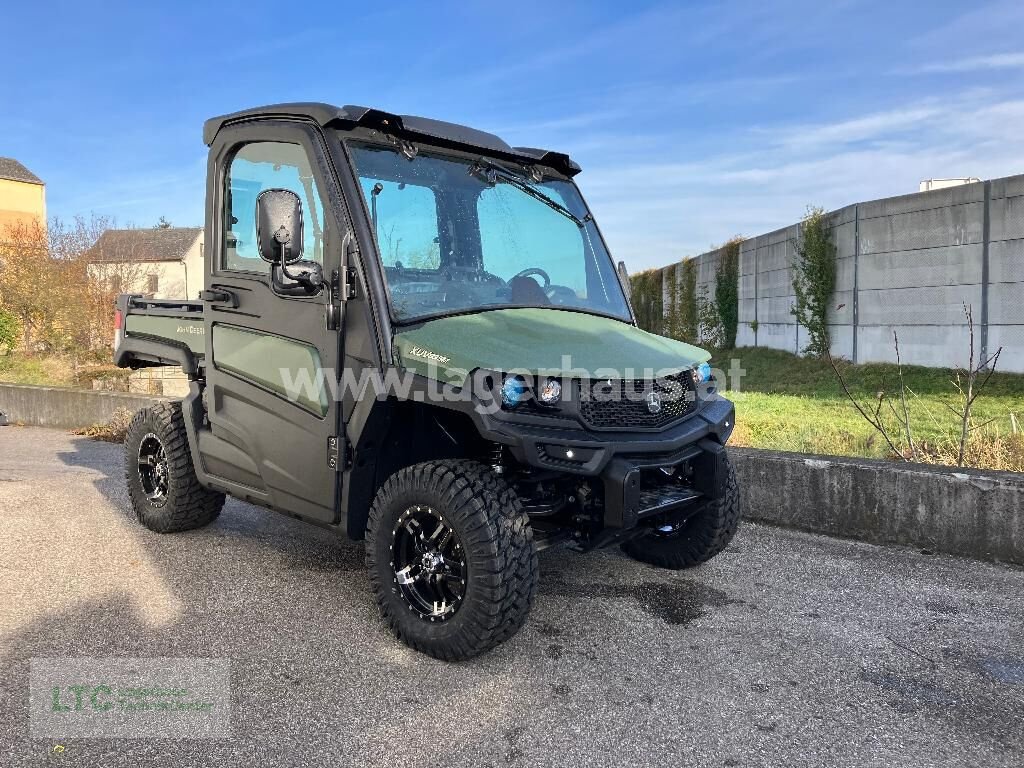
(254, 168)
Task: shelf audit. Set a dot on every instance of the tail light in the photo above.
(118, 327)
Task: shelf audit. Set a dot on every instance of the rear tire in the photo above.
(163, 488)
(698, 539)
(451, 558)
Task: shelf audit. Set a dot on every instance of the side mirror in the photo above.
(279, 226)
(624, 279)
(300, 278)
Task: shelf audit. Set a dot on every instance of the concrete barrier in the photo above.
(65, 407)
(944, 509)
(964, 512)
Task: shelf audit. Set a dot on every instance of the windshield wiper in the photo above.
(492, 174)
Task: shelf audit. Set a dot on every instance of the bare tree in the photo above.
(970, 383)
(49, 281)
(873, 418)
(970, 387)
(112, 266)
(27, 279)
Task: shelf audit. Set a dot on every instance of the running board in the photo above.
(546, 539)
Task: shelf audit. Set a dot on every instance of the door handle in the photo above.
(219, 297)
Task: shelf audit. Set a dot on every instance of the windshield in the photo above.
(460, 235)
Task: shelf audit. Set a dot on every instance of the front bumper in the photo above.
(631, 495)
(538, 444)
(623, 461)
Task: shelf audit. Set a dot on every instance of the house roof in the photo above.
(13, 170)
(143, 245)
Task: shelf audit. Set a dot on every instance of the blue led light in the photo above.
(513, 391)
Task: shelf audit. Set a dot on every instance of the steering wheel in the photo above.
(535, 271)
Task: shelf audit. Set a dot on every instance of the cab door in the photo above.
(271, 358)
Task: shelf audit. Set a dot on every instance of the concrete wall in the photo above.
(943, 509)
(905, 264)
(63, 406)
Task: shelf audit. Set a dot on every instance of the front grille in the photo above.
(625, 404)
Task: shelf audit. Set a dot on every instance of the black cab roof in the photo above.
(405, 126)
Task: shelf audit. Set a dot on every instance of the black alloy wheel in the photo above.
(451, 558)
(163, 488)
(429, 563)
(153, 472)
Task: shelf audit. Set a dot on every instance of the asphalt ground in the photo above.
(786, 650)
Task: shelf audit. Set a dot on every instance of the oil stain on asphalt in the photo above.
(1007, 671)
(674, 603)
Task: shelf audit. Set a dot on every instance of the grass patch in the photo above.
(50, 371)
(791, 403)
(62, 371)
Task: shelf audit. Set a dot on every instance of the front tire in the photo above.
(695, 541)
(451, 558)
(164, 491)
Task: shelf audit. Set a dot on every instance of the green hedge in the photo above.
(666, 300)
(647, 299)
(727, 291)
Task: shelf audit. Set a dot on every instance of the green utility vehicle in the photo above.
(413, 333)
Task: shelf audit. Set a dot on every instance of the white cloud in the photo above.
(975, 64)
(873, 126)
(654, 213)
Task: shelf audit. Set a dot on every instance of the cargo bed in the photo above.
(152, 332)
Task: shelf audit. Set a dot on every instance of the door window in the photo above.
(254, 168)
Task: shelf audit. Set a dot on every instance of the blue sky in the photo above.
(693, 121)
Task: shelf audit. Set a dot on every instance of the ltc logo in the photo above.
(654, 402)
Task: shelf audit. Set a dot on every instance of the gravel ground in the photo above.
(788, 649)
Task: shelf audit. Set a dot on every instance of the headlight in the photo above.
(549, 392)
(513, 391)
(702, 373)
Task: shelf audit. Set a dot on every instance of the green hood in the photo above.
(549, 342)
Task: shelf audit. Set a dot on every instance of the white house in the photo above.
(161, 263)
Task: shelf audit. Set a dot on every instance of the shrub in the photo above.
(647, 300)
(9, 332)
(113, 378)
(727, 292)
(113, 431)
(689, 310)
(710, 330)
(670, 327)
(814, 280)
